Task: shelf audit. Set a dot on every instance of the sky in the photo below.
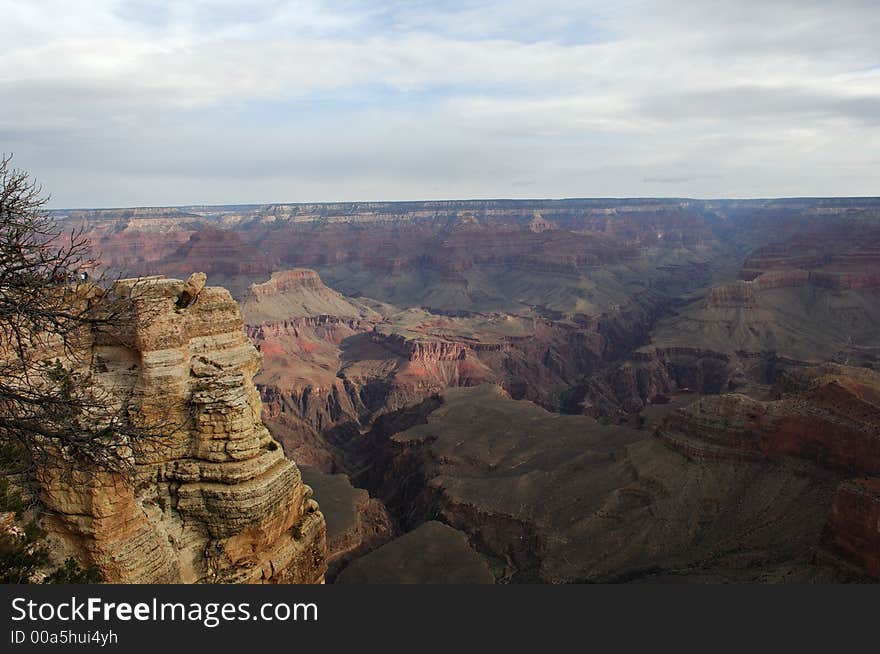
(135, 103)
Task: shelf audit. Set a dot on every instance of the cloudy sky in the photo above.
(137, 102)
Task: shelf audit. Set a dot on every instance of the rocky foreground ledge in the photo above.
(212, 499)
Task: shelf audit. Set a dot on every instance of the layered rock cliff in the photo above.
(211, 499)
(828, 416)
(218, 252)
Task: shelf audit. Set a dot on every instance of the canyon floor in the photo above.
(568, 391)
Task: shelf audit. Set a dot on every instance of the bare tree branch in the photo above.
(51, 312)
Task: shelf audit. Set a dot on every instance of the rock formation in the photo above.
(212, 498)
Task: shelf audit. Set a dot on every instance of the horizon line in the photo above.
(474, 200)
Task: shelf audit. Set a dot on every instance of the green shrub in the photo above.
(20, 558)
(72, 573)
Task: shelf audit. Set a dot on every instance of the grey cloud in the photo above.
(679, 179)
(747, 102)
(666, 179)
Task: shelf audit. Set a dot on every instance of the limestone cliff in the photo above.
(211, 500)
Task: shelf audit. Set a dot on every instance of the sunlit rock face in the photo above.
(212, 499)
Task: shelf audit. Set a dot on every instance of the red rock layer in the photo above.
(288, 280)
(838, 254)
(852, 533)
(217, 251)
(834, 421)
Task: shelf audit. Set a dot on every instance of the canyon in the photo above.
(503, 391)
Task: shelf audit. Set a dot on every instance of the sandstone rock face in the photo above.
(194, 285)
(212, 497)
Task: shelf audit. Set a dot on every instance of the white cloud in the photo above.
(219, 101)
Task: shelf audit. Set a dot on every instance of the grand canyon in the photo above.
(547, 391)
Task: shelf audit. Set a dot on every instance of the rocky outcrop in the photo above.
(867, 279)
(295, 294)
(287, 281)
(423, 350)
(743, 294)
(782, 279)
(212, 497)
(194, 285)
